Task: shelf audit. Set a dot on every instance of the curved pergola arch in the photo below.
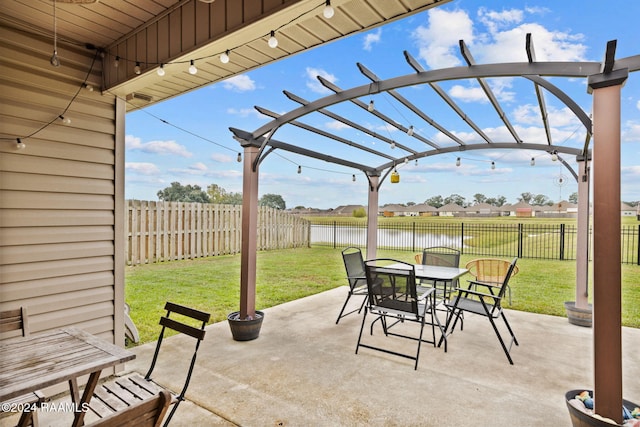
(604, 83)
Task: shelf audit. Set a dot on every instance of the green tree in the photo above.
(540, 200)
(273, 201)
(496, 201)
(359, 213)
(455, 198)
(525, 197)
(480, 198)
(219, 195)
(435, 201)
(573, 198)
(177, 192)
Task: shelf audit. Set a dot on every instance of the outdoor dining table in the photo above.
(39, 361)
(434, 272)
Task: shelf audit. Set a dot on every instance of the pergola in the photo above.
(605, 80)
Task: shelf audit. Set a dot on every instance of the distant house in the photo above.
(522, 209)
(483, 209)
(451, 209)
(393, 210)
(626, 210)
(421, 210)
(347, 210)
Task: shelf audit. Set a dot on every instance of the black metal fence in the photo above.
(541, 241)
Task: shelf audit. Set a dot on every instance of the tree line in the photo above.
(177, 192)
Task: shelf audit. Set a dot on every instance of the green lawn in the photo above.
(212, 284)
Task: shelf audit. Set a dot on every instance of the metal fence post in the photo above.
(562, 229)
(520, 239)
(462, 238)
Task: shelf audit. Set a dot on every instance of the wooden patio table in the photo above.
(30, 364)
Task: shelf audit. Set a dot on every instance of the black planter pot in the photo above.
(579, 418)
(243, 329)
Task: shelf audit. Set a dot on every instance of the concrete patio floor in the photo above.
(303, 371)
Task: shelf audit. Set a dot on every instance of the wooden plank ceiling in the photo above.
(149, 33)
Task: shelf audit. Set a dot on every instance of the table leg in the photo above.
(74, 390)
(78, 419)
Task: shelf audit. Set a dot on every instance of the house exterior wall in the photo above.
(61, 197)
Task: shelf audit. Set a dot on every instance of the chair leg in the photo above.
(343, 307)
(513, 336)
(364, 318)
(504, 347)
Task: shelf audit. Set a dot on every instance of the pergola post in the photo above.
(582, 240)
(249, 232)
(607, 305)
(372, 217)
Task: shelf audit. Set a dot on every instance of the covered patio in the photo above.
(303, 371)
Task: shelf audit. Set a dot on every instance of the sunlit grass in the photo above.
(212, 284)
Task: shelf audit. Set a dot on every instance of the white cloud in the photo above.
(468, 94)
(239, 83)
(438, 41)
(530, 114)
(156, 147)
(314, 84)
(631, 131)
(336, 125)
(222, 158)
(638, 105)
(198, 167)
(246, 112)
(372, 38)
(142, 168)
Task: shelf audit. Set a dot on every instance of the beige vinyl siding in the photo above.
(58, 196)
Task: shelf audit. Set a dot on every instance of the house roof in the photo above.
(451, 207)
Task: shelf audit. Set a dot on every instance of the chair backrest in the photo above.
(146, 413)
(441, 256)
(354, 264)
(490, 270)
(14, 323)
(505, 281)
(391, 288)
(196, 332)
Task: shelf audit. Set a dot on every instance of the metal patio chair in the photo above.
(486, 303)
(444, 257)
(122, 392)
(491, 271)
(354, 264)
(394, 300)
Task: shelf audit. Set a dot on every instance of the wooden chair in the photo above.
(15, 323)
(145, 413)
(120, 393)
(491, 271)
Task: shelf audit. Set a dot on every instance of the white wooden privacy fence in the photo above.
(168, 231)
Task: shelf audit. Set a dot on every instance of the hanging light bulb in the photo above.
(21, 146)
(416, 162)
(116, 62)
(554, 156)
(161, 70)
(192, 68)
(493, 165)
(406, 160)
(54, 58)
(353, 177)
(410, 131)
(88, 87)
(458, 161)
(137, 69)
(371, 106)
(533, 161)
(239, 157)
(273, 41)
(299, 169)
(224, 57)
(65, 120)
(393, 145)
(328, 11)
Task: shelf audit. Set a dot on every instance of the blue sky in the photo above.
(199, 149)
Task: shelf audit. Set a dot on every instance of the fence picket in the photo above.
(169, 231)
